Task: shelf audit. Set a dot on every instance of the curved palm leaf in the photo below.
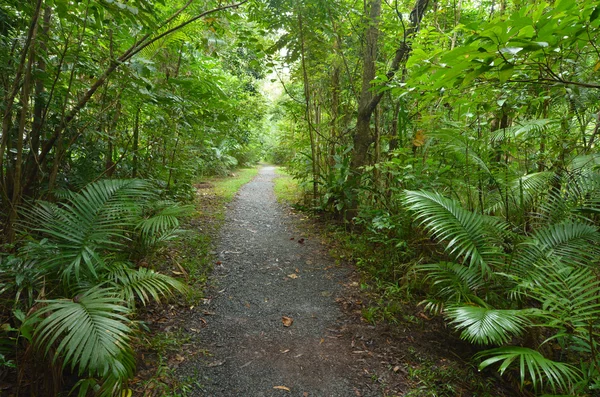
(488, 326)
(469, 235)
(453, 282)
(90, 222)
(143, 283)
(162, 223)
(532, 366)
(571, 243)
(91, 330)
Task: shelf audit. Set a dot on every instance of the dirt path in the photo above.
(269, 269)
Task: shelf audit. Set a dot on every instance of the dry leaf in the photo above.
(293, 275)
(287, 321)
(281, 388)
(285, 351)
(305, 394)
(419, 139)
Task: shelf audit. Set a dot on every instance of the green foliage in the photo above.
(471, 236)
(80, 264)
(92, 332)
(532, 365)
(488, 326)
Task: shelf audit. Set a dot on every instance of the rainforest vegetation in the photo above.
(455, 141)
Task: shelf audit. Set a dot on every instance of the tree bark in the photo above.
(368, 101)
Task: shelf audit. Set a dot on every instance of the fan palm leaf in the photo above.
(453, 282)
(473, 237)
(532, 365)
(144, 284)
(486, 326)
(89, 223)
(90, 332)
(571, 242)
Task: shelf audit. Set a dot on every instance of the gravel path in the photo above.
(268, 270)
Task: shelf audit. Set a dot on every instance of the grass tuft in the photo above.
(286, 188)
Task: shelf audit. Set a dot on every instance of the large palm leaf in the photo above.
(469, 236)
(90, 332)
(87, 225)
(484, 325)
(452, 283)
(143, 284)
(573, 242)
(532, 366)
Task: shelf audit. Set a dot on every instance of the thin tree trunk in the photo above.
(136, 142)
(17, 186)
(368, 101)
(313, 149)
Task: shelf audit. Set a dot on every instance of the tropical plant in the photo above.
(86, 284)
(539, 283)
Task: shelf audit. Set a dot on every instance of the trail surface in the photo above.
(269, 269)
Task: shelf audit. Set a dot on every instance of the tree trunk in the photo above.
(368, 101)
(311, 132)
(20, 138)
(136, 143)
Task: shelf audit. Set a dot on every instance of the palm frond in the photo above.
(532, 366)
(571, 243)
(144, 284)
(571, 295)
(453, 282)
(162, 219)
(90, 222)
(523, 131)
(91, 331)
(467, 235)
(486, 326)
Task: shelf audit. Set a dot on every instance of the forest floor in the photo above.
(281, 317)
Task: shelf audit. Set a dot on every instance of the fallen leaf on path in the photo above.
(216, 363)
(245, 365)
(281, 388)
(287, 321)
(396, 368)
(285, 351)
(305, 394)
(293, 275)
